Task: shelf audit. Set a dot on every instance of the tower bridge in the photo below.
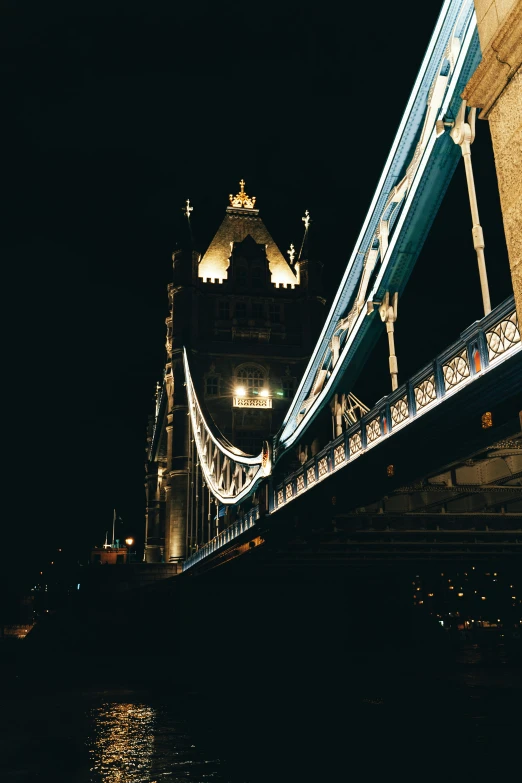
(434, 469)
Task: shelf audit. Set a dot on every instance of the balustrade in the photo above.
(481, 346)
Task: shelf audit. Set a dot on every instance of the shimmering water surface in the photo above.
(114, 737)
(134, 742)
(347, 719)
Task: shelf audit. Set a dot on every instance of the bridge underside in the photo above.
(455, 492)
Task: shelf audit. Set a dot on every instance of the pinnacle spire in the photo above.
(306, 220)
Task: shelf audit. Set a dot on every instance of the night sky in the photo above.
(113, 118)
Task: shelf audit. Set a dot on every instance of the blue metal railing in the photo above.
(243, 523)
(481, 347)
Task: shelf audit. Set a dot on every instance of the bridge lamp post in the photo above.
(129, 542)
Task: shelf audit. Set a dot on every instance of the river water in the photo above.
(365, 718)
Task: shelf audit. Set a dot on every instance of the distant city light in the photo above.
(487, 420)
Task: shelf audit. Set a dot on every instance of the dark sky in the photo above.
(118, 112)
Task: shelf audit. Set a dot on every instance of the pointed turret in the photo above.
(241, 220)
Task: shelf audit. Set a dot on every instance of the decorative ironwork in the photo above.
(241, 200)
(229, 474)
(280, 497)
(289, 491)
(452, 46)
(355, 443)
(300, 483)
(251, 402)
(503, 336)
(322, 467)
(399, 410)
(291, 253)
(339, 454)
(306, 219)
(456, 370)
(265, 456)
(373, 430)
(425, 392)
(353, 409)
(310, 476)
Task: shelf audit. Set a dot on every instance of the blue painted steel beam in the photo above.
(411, 224)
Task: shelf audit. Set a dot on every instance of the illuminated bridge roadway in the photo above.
(456, 486)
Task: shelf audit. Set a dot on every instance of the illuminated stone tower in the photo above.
(248, 319)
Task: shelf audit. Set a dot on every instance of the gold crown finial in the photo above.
(241, 200)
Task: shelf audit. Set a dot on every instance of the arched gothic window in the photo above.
(252, 377)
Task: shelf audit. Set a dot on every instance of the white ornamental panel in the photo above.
(252, 402)
(503, 336)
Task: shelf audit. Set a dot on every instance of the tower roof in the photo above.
(242, 219)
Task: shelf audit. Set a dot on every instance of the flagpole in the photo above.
(113, 524)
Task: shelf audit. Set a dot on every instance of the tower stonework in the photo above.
(248, 320)
(496, 88)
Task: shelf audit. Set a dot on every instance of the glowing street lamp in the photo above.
(240, 391)
(129, 541)
(264, 393)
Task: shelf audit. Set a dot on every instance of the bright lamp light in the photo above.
(264, 392)
(240, 391)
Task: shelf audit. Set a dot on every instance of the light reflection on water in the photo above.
(138, 743)
(123, 742)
